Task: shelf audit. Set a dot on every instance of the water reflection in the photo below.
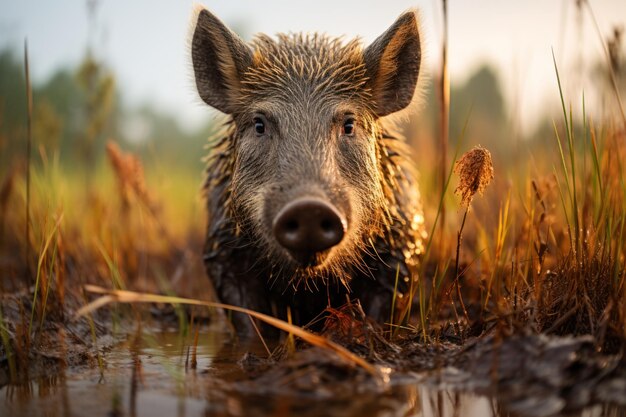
(398, 401)
(152, 376)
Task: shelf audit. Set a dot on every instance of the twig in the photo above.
(29, 113)
(121, 296)
(444, 105)
(258, 332)
(459, 239)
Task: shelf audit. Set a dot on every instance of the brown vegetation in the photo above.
(542, 253)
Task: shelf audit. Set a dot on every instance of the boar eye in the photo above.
(259, 126)
(348, 127)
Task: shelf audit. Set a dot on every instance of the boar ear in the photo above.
(393, 62)
(219, 59)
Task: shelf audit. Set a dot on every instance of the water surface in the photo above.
(155, 377)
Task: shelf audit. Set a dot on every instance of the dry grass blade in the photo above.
(130, 175)
(40, 262)
(29, 140)
(444, 111)
(258, 332)
(120, 296)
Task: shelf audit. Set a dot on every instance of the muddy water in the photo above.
(156, 377)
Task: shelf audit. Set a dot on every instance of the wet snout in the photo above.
(307, 227)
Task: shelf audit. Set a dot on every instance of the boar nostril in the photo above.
(291, 226)
(308, 226)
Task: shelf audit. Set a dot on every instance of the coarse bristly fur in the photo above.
(303, 88)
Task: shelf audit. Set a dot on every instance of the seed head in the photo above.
(475, 171)
(130, 175)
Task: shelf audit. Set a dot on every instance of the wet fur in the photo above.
(305, 81)
(246, 273)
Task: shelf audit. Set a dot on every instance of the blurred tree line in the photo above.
(479, 98)
(77, 110)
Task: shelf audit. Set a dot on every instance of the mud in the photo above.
(154, 370)
(529, 375)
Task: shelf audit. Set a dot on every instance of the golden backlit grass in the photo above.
(122, 227)
(543, 250)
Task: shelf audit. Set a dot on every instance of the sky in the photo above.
(145, 41)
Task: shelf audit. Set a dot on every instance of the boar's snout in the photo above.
(307, 227)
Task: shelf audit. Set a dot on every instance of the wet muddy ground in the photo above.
(155, 381)
(153, 371)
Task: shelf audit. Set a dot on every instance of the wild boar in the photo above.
(311, 197)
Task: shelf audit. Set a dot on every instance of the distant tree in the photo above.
(47, 125)
(74, 110)
(78, 109)
(482, 95)
(161, 138)
(98, 87)
(12, 105)
(616, 67)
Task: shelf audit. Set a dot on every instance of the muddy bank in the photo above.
(156, 369)
(57, 343)
(538, 374)
(526, 373)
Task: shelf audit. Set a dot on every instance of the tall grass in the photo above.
(444, 115)
(543, 251)
(102, 235)
(29, 141)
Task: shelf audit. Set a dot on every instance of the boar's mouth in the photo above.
(309, 260)
(308, 228)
